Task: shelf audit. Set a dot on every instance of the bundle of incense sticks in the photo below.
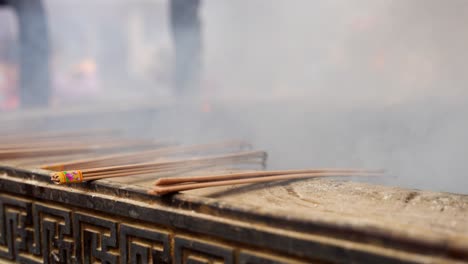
(148, 155)
(40, 144)
(170, 185)
(79, 143)
(27, 137)
(74, 176)
(14, 153)
(110, 144)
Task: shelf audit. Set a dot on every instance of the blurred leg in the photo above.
(186, 32)
(34, 52)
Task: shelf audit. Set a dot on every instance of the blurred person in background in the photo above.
(186, 34)
(8, 62)
(33, 51)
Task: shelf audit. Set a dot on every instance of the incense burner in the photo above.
(288, 222)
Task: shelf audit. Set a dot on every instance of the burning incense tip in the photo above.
(63, 177)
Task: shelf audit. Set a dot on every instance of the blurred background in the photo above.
(329, 83)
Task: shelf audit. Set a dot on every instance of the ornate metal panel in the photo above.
(15, 218)
(35, 232)
(98, 223)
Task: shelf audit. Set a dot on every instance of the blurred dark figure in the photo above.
(8, 62)
(186, 32)
(34, 51)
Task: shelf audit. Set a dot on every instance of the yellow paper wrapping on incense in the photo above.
(63, 177)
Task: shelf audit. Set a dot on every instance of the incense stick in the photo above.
(161, 190)
(31, 152)
(58, 135)
(249, 154)
(179, 180)
(114, 142)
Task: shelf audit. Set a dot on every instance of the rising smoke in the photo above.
(348, 83)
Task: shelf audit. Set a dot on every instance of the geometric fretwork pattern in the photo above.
(36, 232)
(143, 245)
(190, 250)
